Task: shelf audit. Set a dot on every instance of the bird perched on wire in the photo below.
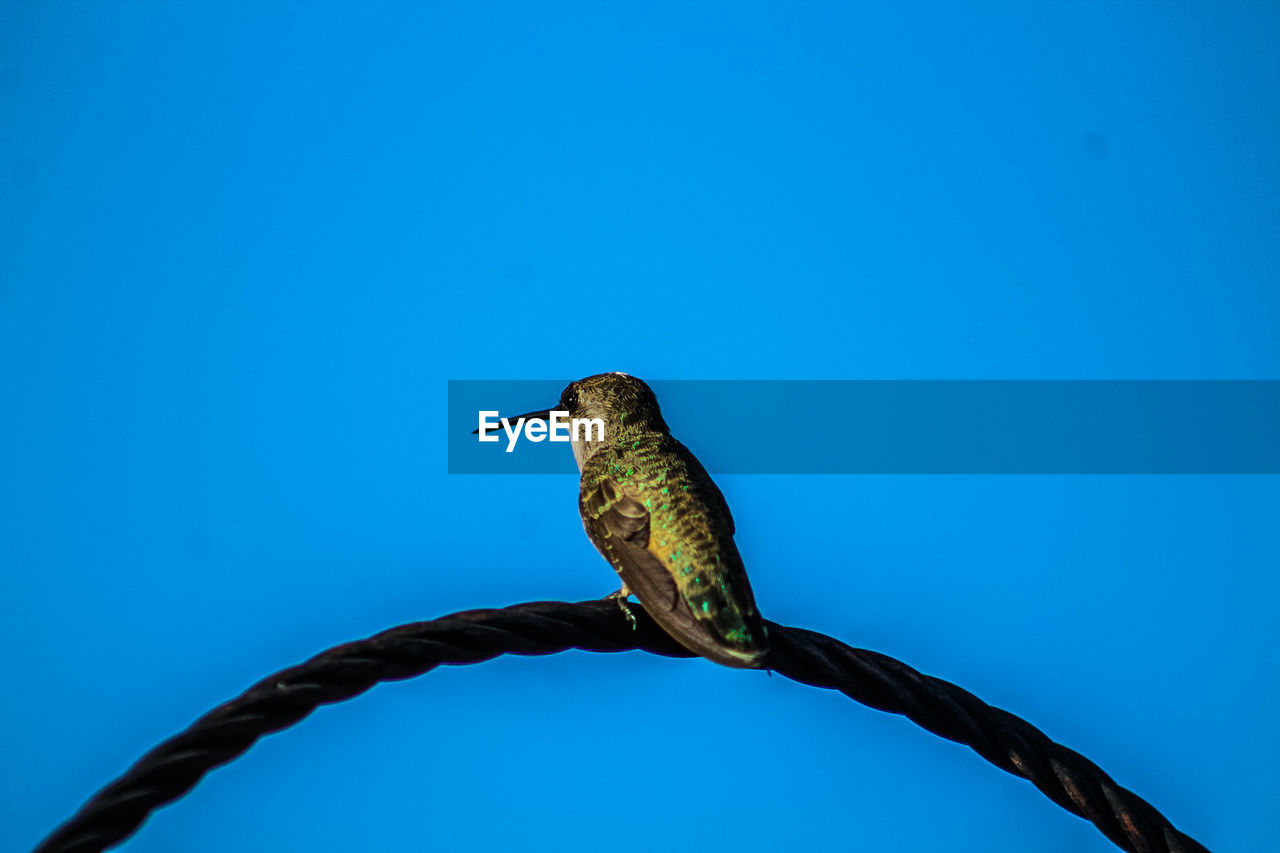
(654, 513)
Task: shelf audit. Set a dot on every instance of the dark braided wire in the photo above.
(542, 628)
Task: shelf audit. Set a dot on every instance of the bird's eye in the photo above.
(570, 401)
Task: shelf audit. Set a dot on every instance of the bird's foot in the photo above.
(620, 597)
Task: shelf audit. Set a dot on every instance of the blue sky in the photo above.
(244, 246)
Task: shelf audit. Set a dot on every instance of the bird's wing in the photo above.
(618, 525)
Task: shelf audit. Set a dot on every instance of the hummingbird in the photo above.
(655, 514)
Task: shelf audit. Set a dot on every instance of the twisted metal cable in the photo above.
(542, 628)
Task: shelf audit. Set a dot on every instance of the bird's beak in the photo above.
(543, 415)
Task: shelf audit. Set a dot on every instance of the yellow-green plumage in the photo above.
(652, 510)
